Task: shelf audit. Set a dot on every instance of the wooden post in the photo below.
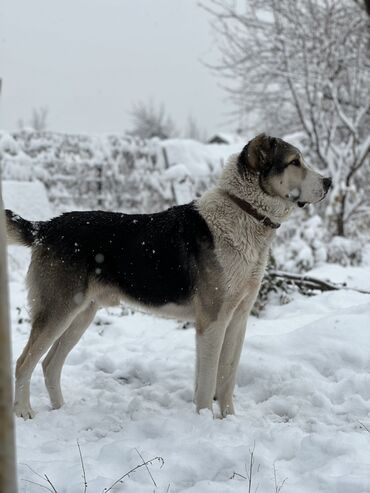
(8, 480)
(99, 185)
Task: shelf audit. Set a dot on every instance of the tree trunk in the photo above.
(8, 481)
(340, 217)
(367, 6)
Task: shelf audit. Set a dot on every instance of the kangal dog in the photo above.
(202, 261)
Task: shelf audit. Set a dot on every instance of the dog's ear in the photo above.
(257, 155)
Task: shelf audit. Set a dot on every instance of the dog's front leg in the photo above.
(230, 354)
(209, 339)
(208, 346)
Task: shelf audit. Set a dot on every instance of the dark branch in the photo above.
(308, 282)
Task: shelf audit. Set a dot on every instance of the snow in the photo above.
(27, 199)
(302, 396)
(200, 159)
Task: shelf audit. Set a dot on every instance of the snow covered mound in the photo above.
(302, 400)
(27, 198)
(200, 159)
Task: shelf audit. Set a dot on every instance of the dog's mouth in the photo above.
(296, 200)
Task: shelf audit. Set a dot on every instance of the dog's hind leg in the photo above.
(53, 363)
(47, 326)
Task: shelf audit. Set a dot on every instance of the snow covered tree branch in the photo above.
(302, 66)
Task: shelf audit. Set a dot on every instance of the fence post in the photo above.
(8, 480)
(99, 185)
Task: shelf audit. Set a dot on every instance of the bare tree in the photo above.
(150, 120)
(8, 482)
(303, 66)
(39, 118)
(193, 130)
(20, 124)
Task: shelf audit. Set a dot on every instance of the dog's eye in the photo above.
(295, 162)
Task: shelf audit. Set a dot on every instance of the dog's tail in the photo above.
(19, 231)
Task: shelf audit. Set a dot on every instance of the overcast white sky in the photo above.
(89, 60)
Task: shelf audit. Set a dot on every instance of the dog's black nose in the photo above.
(327, 183)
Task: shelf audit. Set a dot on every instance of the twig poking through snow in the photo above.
(105, 490)
(146, 467)
(38, 484)
(249, 476)
(236, 474)
(51, 484)
(44, 478)
(278, 487)
(363, 426)
(145, 464)
(251, 465)
(82, 466)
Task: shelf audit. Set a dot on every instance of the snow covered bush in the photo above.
(111, 171)
(344, 251)
(301, 242)
(305, 241)
(81, 171)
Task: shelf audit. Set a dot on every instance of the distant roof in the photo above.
(224, 138)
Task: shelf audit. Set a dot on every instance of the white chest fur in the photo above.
(241, 243)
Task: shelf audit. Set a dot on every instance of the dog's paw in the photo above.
(227, 410)
(57, 404)
(24, 411)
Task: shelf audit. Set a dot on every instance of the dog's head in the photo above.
(282, 170)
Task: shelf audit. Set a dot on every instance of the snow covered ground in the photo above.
(302, 398)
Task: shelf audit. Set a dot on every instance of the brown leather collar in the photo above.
(247, 207)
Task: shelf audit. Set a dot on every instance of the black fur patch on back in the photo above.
(153, 258)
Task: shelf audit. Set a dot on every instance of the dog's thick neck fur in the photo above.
(248, 188)
(233, 226)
